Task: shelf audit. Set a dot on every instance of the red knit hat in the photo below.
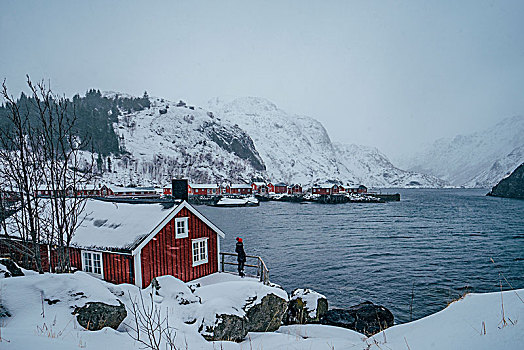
(239, 239)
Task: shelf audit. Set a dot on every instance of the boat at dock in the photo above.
(236, 202)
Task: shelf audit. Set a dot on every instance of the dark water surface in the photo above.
(439, 241)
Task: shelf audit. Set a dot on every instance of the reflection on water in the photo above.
(437, 241)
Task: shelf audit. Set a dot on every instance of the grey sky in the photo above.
(383, 73)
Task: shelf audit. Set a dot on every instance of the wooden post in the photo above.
(222, 258)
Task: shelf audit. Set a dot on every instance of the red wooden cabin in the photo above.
(294, 189)
(239, 189)
(271, 187)
(133, 243)
(280, 188)
(204, 189)
(257, 185)
(325, 189)
(359, 189)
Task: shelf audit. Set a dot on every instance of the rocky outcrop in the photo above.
(238, 143)
(512, 186)
(227, 327)
(94, 316)
(263, 316)
(266, 316)
(9, 268)
(306, 306)
(366, 318)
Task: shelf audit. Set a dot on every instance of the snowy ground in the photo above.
(474, 322)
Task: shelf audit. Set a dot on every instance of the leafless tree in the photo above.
(20, 174)
(66, 172)
(43, 149)
(150, 328)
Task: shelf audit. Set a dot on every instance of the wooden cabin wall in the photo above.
(165, 255)
(118, 268)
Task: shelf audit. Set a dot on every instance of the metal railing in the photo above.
(262, 272)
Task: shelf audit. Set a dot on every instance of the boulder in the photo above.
(227, 327)
(263, 316)
(9, 268)
(231, 307)
(94, 316)
(366, 318)
(267, 315)
(306, 306)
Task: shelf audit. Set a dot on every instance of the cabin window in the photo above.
(181, 230)
(199, 251)
(92, 263)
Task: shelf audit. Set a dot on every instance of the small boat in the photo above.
(237, 202)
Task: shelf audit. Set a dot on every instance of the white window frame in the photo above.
(201, 253)
(186, 228)
(91, 269)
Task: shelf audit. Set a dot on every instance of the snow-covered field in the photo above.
(475, 322)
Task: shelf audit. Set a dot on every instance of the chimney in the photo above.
(179, 189)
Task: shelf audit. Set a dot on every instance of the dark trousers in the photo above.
(241, 267)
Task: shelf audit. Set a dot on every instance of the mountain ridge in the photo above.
(478, 159)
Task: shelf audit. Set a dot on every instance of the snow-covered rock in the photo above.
(306, 306)
(8, 268)
(366, 318)
(232, 307)
(476, 160)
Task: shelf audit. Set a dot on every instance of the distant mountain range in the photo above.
(147, 141)
(479, 159)
(247, 138)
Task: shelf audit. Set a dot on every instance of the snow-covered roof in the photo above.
(117, 189)
(203, 185)
(111, 225)
(121, 226)
(240, 186)
(125, 226)
(324, 186)
(259, 183)
(281, 184)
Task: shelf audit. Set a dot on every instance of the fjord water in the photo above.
(438, 242)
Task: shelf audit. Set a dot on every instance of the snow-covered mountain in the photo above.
(298, 149)
(370, 166)
(165, 140)
(480, 159)
(247, 138)
(294, 148)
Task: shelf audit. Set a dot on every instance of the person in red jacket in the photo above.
(241, 257)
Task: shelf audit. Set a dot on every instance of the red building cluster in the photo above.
(329, 189)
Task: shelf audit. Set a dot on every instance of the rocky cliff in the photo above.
(511, 186)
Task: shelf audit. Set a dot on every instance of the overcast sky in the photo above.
(382, 73)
